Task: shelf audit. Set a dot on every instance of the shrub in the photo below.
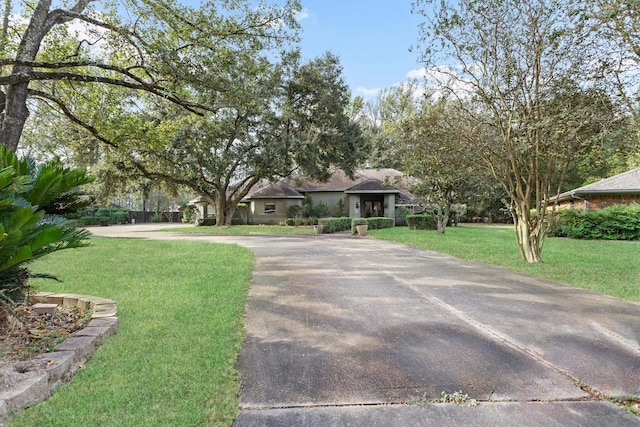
(340, 210)
(33, 202)
(298, 222)
(377, 223)
(334, 225)
(290, 222)
(294, 211)
(618, 222)
(421, 222)
(189, 214)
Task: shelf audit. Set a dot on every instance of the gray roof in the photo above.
(388, 181)
(623, 183)
(372, 186)
(278, 190)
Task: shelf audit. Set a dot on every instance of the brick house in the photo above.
(619, 189)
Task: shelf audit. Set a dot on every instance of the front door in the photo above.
(373, 208)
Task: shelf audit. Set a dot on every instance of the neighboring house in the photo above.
(370, 193)
(623, 189)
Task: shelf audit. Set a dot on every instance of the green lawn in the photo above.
(171, 363)
(609, 267)
(243, 229)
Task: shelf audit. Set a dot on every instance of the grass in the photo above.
(243, 230)
(608, 267)
(181, 311)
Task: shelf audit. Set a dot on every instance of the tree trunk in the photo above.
(16, 111)
(15, 108)
(442, 218)
(528, 233)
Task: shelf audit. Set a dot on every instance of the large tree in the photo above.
(512, 63)
(613, 28)
(276, 120)
(433, 152)
(154, 47)
(383, 118)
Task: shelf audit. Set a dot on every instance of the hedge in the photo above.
(421, 222)
(374, 223)
(333, 225)
(617, 222)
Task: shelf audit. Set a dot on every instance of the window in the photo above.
(269, 208)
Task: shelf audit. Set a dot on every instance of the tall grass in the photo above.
(181, 312)
(608, 267)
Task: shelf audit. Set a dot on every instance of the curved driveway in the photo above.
(349, 331)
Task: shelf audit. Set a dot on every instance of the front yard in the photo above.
(181, 311)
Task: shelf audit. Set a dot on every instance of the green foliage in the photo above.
(293, 211)
(321, 210)
(421, 222)
(189, 213)
(373, 223)
(618, 222)
(333, 225)
(114, 216)
(339, 210)
(377, 223)
(32, 201)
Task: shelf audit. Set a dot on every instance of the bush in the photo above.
(334, 225)
(340, 210)
(299, 222)
(189, 214)
(294, 211)
(207, 222)
(374, 223)
(377, 223)
(33, 202)
(112, 216)
(421, 222)
(618, 222)
(290, 222)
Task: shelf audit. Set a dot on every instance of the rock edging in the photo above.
(49, 370)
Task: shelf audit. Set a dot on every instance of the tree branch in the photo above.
(67, 112)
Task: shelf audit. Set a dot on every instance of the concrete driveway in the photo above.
(349, 331)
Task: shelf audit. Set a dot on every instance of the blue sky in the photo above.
(371, 37)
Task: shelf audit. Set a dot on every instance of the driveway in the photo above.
(349, 331)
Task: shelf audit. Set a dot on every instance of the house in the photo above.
(369, 193)
(623, 188)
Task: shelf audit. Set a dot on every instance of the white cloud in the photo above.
(438, 78)
(368, 92)
(417, 74)
(301, 15)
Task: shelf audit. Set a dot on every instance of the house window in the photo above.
(269, 208)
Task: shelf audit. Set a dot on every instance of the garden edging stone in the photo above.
(50, 370)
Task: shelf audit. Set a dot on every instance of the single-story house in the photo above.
(370, 193)
(621, 189)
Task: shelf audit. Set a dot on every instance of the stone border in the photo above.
(50, 370)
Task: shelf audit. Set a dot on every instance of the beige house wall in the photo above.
(259, 206)
(329, 198)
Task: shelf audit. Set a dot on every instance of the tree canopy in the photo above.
(213, 98)
(513, 65)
